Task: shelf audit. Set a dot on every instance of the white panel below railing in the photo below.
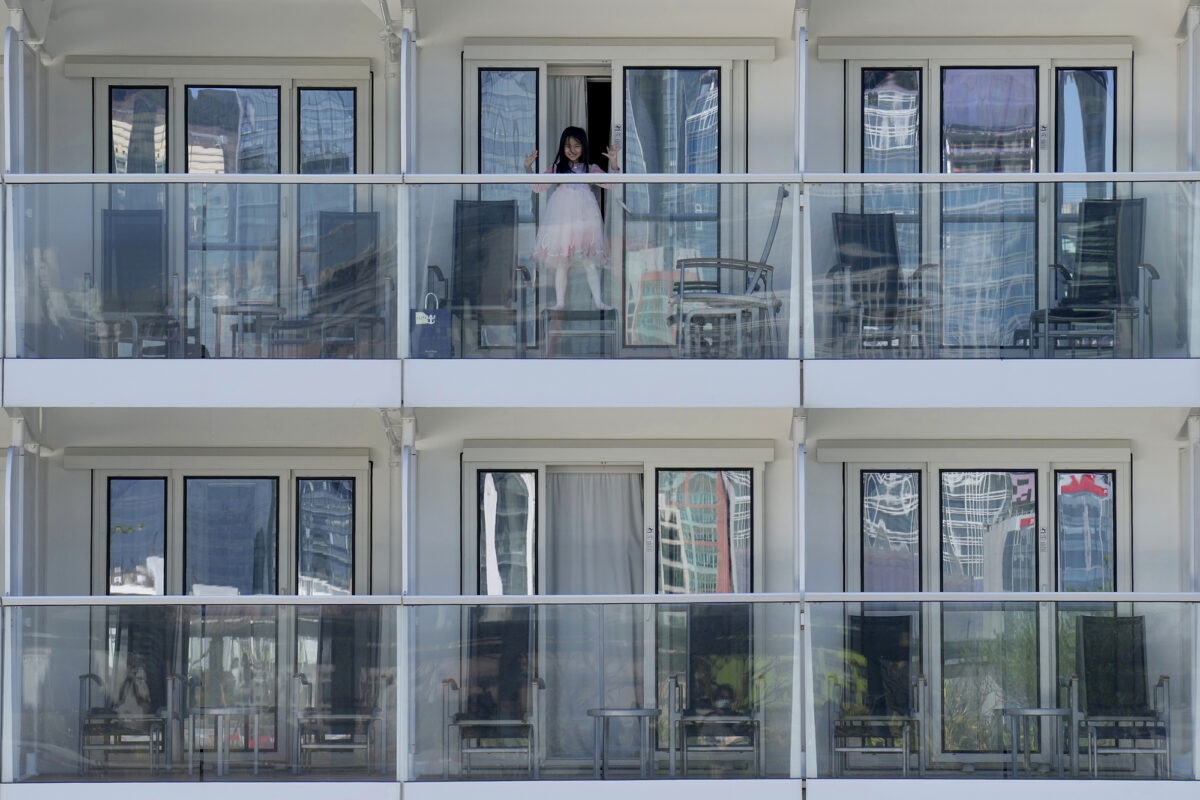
(292, 790)
(991, 383)
(201, 383)
(608, 383)
(989, 789)
(605, 790)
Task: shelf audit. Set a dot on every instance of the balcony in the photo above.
(728, 282)
(542, 690)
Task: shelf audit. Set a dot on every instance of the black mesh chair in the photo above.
(132, 703)
(1107, 291)
(341, 702)
(496, 713)
(715, 712)
(880, 708)
(1110, 696)
(489, 290)
(873, 308)
(134, 291)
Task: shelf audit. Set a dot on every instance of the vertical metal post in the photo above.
(800, 33)
(1191, 109)
(1193, 536)
(404, 466)
(803, 731)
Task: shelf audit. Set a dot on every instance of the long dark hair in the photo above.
(561, 162)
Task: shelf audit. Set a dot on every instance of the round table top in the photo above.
(624, 712)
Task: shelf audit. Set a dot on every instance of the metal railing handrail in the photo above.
(616, 178)
(760, 598)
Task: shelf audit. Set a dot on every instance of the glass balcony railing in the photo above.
(571, 269)
(202, 692)
(550, 266)
(952, 267)
(203, 270)
(1095, 689)
(703, 687)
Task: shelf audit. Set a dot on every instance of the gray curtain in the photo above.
(593, 655)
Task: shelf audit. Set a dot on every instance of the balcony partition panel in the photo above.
(1001, 268)
(640, 277)
(133, 267)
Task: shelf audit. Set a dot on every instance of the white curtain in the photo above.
(567, 106)
(593, 654)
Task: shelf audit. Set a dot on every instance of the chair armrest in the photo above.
(522, 271)
(1063, 272)
(1150, 271)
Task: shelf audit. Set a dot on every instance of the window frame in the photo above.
(931, 59)
(176, 467)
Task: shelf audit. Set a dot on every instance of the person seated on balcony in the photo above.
(133, 696)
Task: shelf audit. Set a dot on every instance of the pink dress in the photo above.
(572, 228)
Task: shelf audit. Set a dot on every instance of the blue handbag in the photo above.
(431, 330)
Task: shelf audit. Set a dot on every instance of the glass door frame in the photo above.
(1047, 59)
(930, 462)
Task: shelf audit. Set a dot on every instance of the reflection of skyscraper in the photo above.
(506, 532)
(705, 526)
(326, 526)
(1085, 531)
(989, 531)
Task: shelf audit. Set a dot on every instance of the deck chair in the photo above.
(1110, 694)
(873, 307)
(880, 708)
(133, 703)
(495, 713)
(489, 290)
(349, 310)
(340, 703)
(1108, 289)
(727, 307)
(134, 290)
(715, 707)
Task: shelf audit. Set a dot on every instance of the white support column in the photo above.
(401, 428)
(14, 506)
(1191, 109)
(800, 34)
(803, 740)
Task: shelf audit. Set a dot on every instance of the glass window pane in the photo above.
(1086, 122)
(989, 531)
(705, 524)
(230, 529)
(507, 532)
(891, 531)
(891, 142)
(989, 231)
(673, 125)
(233, 231)
(327, 126)
(1086, 518)
(137, 524)
(327, 146)
(325, 536)
(508, 123)
(138, 129)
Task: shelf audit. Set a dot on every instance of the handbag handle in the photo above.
(426, 301)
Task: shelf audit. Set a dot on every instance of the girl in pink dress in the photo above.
(572, 231)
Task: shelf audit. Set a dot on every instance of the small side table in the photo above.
(1021, 728)
(602, 717)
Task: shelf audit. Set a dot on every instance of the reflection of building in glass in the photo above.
(508, 103)
(891, 531)
(506, 532)
(231, 526)
(989, 531)
(326, 527)
(1085, 532)
(704, 529)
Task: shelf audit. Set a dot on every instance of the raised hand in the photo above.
(612, 153)
(529, 159)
